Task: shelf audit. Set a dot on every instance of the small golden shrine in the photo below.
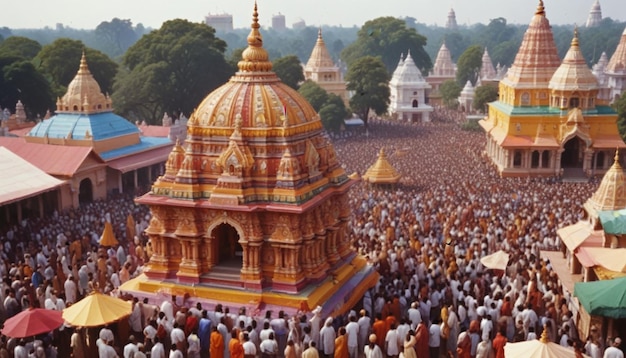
(253, 206)
(382, 172)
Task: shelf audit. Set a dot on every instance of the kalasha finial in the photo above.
(255, 57)
(616, 158)
(319, 33)
(83, 63)
(541, 10)
(575, 39)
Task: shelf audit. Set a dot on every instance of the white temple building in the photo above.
(408, 93)
(487, 71)
(595, 15)
(615, 70)
(466, 98)
(322, 70)
(598, 71)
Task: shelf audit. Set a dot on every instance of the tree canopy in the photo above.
(469, 64)
(117, 35)
(333, 112)
(484, 94)
(620, 106)
(314, 94)
(20, 46)
(369, 80)
(388, 38)
(450, 91)
(20, 80)
(170, 70)
(60, 61)
(289, 70)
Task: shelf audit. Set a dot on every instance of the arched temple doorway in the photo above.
(573, 153)
(228, 248)
(85, 191)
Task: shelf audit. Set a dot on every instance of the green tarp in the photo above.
(605, 298)
(613, 221)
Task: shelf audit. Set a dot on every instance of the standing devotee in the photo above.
(217, 344)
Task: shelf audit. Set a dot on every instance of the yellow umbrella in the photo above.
(107, 238)
(540, 348)
(95, 310)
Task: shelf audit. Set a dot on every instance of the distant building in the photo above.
(595, 15)
(300, 24)
(616, 70)
(466, 98)
(322, 70)
(279, 22)
(408, 93)
(451, 22)
(220, 22)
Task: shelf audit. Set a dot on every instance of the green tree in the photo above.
(388, 37)
(314, 94)
(483, 95)
(20, 46)
(369, 80)
(117, 34)
(289, 70)
(170, 70)
(620, 106)
(19, 80)
(60, 60)
(333, 112)
(450, 91)
(468, 66)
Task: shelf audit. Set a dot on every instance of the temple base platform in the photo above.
(336, 294)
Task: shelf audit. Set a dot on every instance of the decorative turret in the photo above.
(83, 94)
(20, 113)
(407, 90)
(451, 22)
(573, 85)
(320, 57)
(534, 64)
(487, 71)
(610, 194)
(466, 98)
(595, 15)
(444, 67)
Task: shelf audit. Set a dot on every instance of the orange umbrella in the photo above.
(95, 310)
(108, 238)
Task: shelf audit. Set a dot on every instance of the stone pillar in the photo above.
(332, 256)
(192, 264)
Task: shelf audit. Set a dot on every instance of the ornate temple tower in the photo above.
(616, 70)
(599, 71)
(253, 207)
(408, 92)
(595, 15)
(548, 119)
(322, 70)
(382, 173)
(451, 22)
(443, 70)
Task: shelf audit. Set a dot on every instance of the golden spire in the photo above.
(83, 69)
(255, 57)
(319, 33)
(575, 39)
(540, 9)
(616, 158)
(544, 335)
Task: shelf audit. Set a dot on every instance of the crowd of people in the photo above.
(425, 237)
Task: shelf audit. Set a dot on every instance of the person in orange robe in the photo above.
(341, 344)
(421, 336)
(216, 347)
(234, 346)
(498, 343)
(379, 328)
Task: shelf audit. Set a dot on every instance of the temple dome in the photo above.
(573, 74)
(537, 58)
(611, 194)
(83, 93)
(255, 93)
(408, 72)
(381, 172)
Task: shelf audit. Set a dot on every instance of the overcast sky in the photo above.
(87, 14)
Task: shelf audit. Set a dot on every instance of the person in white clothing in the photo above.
(392, 342)
(352, 332)
(372, 350)
(327, 339)
(131, 348)
(614, 351)
(158, 351)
